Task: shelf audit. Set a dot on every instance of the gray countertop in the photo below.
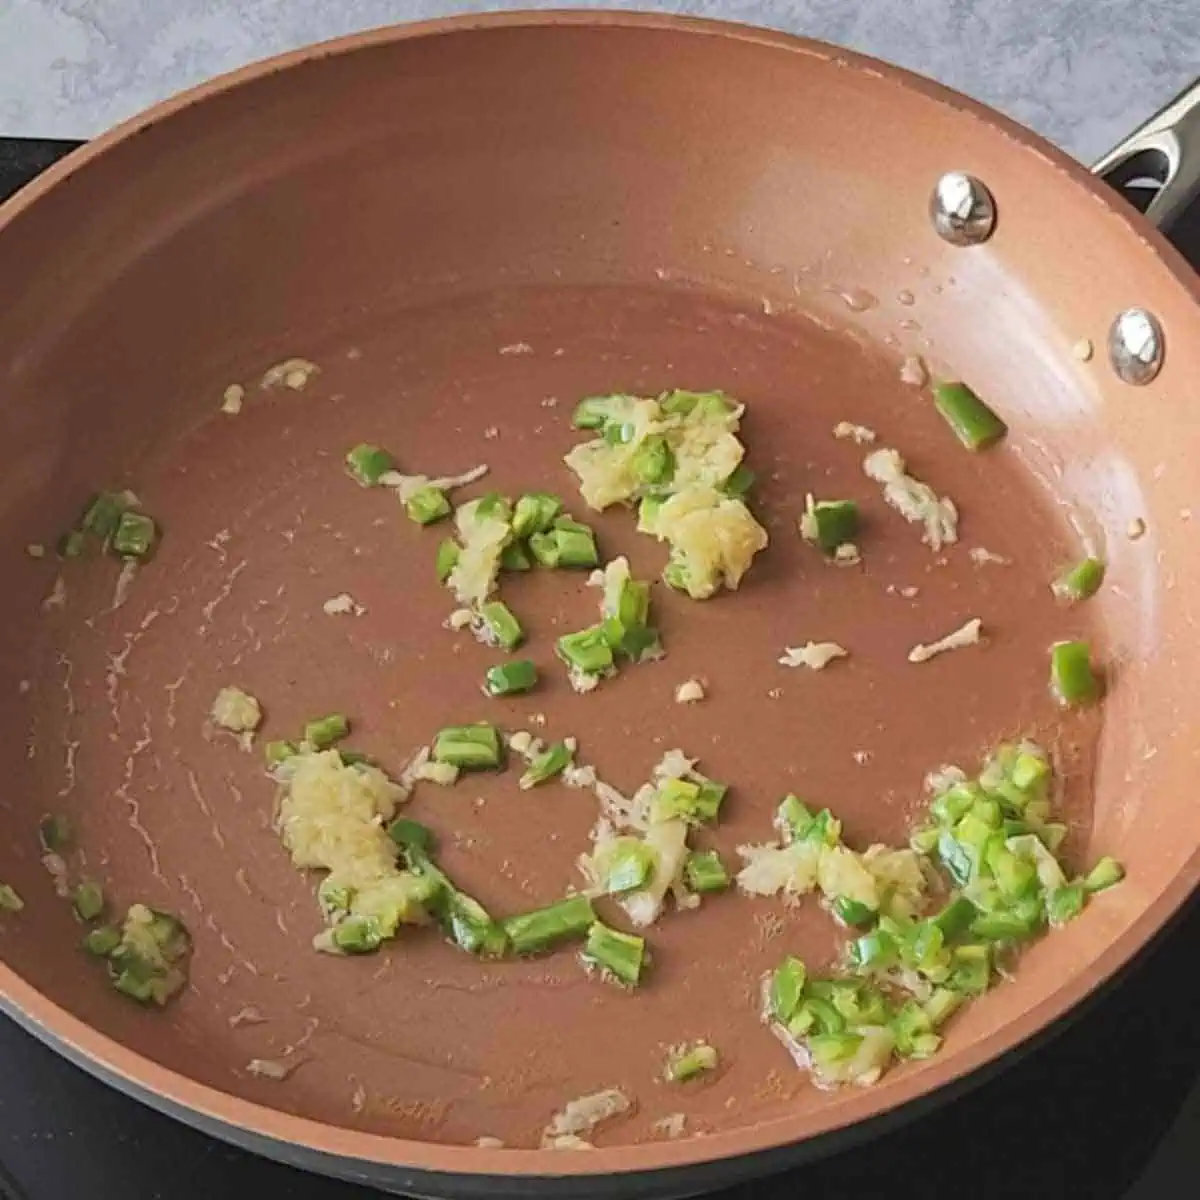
(1083, 72)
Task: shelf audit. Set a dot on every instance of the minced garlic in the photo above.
(814, 655)
(913, 500)
(236, 711)
(968, 634)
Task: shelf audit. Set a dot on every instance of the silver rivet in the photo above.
(962, 209)
(1135, 345)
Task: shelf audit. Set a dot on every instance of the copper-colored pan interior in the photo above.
(638, 204)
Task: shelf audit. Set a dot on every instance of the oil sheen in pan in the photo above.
(262, 528)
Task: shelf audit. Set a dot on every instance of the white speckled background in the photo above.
(1083, 72)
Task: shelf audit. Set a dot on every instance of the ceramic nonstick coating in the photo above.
(468, 227)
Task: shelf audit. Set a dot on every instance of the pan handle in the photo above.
(1157, 167)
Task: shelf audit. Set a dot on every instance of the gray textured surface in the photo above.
(1083, 72)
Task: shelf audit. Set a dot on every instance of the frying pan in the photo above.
(467, 225)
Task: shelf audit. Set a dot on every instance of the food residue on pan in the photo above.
(968, 634)
(342, 605)
(292, 373)
(273, 1068)
(914, 372)
(860, 434)
(232, 399)
(237, 712)
(814, 655)
(583, 1115)
(925, 922)
(913, 499)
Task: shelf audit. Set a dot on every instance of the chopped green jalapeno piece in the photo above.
(705, 872)
(471, 926)
(493, 505)
(73, 544)
(688, 1062)
(10, 901)
(953, 804)
(535, 512)
(514, 557)
(873, 950)
(334, 898)
(587, 651)
(104, 514)
(675, 573)
(368, 464)
(702, 404)
(134, 536)
(739, 482)
(624, 865)
(1014, 876)
(1105, 874)
(619, 433)
(924, 841)
(412, 837)
(55, 833)
(325, 732)
(955, 918)
(575, 548)
(787, 989)
(146, 963)
(508, 679)
(912, 1029)
(942, 1005)
(698, 802)
(971, 969)
(654, 461)
(276, 752)
(448, 553)
(1079, 582)
(468, 747)
(620, 956)
(88, 900)
(1072, 679)
(543, 549)
(1052, 835)
(1065, 903)
(627, 601)
(552, 761)
(829, 523)
(357, 935)
(428, 505)
(825, 828)
(852, 912)
(565, 523)
(1002, 926)
(566, 920)
(793, 817)
(503, 629)
(829, 1049)
(1029, 771)
(973, 423)
(102, 941)
(955, 858)
(635, 642)
(648, 511)
(594, 412)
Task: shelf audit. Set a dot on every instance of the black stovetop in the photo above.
(1109, 1109)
